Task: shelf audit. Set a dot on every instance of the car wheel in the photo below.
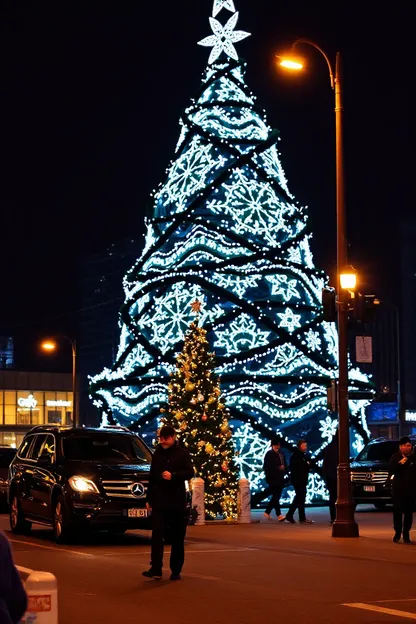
(62, 527)
(380, 505)
(18, 523)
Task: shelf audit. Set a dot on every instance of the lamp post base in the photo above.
(342, 528)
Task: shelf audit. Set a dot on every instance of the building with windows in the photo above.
(6, 352)
(28, 399)
(98, 332)
(408, 318)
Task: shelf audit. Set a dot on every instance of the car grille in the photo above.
(369, 477)
(124, 489)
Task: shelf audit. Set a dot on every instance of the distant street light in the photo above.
(348, 279)
(344, 525)
(52, 345)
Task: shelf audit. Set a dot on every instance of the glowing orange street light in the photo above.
(51, 345)
(48, 345)
(291, 62)
(348, 278)
(344, 525)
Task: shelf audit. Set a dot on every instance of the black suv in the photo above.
(79, 478)
(370, 472)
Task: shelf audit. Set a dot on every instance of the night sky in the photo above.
(91, 95)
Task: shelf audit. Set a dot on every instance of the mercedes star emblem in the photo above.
(137, 489)
(369, 476)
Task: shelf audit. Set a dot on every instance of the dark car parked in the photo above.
(370, 472)
(7, 453)
(74, 479)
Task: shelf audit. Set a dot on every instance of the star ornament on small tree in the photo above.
(196, 306)
(222, 4)
(223, 38)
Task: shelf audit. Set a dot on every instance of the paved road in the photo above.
(263, 572)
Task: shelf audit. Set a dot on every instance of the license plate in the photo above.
(369, 488)
(137, 513)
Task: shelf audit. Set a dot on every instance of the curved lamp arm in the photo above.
(316, 46)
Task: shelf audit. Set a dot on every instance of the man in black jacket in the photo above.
(402, 469)
(299, 472)
(171, 467)
(13, 599)
(274, 469)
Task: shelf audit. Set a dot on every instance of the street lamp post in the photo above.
(51, 345)
(344, 525)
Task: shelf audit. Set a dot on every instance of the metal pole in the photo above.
(344, 525)
(74, 383)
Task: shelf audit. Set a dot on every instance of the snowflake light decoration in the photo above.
(242, 334)
(328, 428)
(168, 324)
(223, 38)
(313, 340)
(289, 320)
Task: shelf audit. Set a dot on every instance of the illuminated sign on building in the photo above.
(58, 403)
(27, 402)
(410, 416)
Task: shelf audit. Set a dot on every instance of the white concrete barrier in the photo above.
(42, 595)
(244, 498)
(198, 499)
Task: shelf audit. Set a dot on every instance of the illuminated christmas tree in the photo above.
(227, 231)
(197, 411)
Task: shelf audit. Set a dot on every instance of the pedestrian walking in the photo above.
(166, 500)
(299, 471)
(330, 470)
(402, 469)
(274, 469)
(13, 599)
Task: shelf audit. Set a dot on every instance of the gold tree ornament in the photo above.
(189, 386)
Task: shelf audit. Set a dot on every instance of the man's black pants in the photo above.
(298, 503)
(403, 514)
(332, 486)
(174, 522)
(275, 491)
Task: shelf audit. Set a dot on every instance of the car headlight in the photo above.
(81, 484)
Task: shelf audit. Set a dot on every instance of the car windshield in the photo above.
(106, 448)
(381, 451)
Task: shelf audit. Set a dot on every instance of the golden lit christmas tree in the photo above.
(197, 411)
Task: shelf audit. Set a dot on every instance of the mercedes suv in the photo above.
(73, 479)
(370, 472)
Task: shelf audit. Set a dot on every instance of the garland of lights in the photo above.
(227, 231)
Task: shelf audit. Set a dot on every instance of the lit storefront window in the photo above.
(30, 408)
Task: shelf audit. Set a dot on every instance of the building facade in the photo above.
(408, 318)
(28, 399)
(98, 331)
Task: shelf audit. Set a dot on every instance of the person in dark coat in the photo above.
(274, 469)
(166, 500)
(13, 599)
(330, 469)
(402, 470)
(299, 472)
